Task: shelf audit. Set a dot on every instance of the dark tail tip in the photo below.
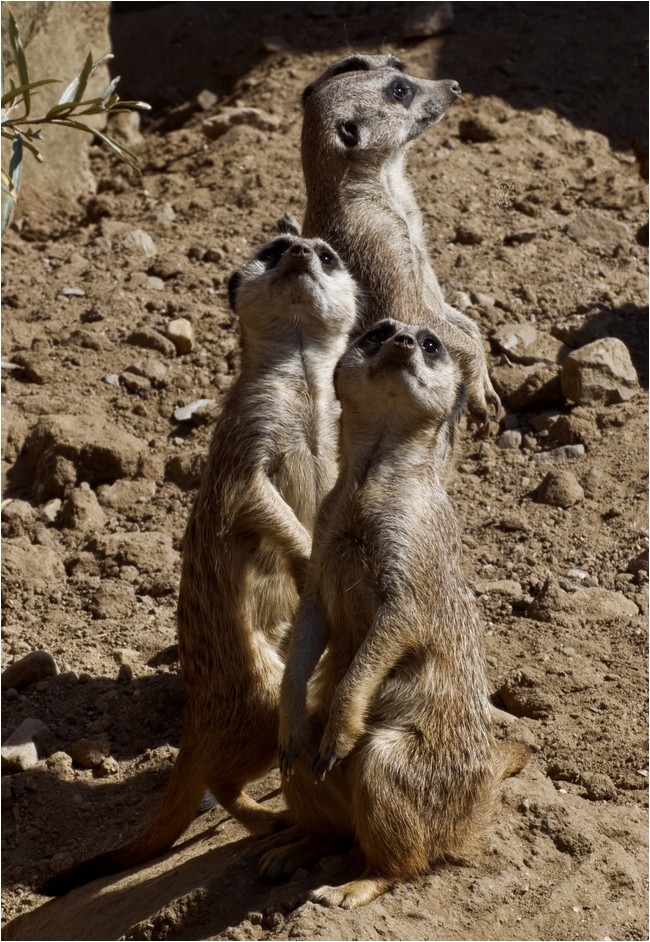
(78, 875)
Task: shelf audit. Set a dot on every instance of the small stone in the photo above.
(206, 99)
(181, 334)
(90, 753)
(598, 786)
(483, 300)
(141, 241)
(50, 511)
(461, 300)
(559, 489)
(185, 470)
(467, 236)
(601, 372)
(124, 493)
(61, 862)
(151, 339)
(227, 118)
(81, 510)
(558, 455)
(36, 367)
(71, 293)
(107, 767)
(273, 44)
(514, 337)
(185, 413)
(511, 438)
(29, 669)
(524, 387)
(519, 237)
(112, 379)
(149, 368)
(595, 229)
(507, 587)
(19, 751)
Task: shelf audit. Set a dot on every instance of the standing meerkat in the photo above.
(272, 459)
(359, 117)
(395, 722)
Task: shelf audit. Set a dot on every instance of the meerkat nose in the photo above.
(404, 341)
(299, 249)
(454, 87)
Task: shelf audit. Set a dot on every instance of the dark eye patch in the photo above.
(273, 252)
(400, 90)
(328, 259)
(430, 344)
(395, 63)
(378, 334)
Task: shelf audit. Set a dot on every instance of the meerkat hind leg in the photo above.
(258, 820)
(281, 863)
(353, 894)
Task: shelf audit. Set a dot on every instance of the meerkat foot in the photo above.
(258, 820)
(351, 895)
(281, 863)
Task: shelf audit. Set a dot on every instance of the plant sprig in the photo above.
(23, 130)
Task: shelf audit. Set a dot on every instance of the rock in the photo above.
(467, 236)
(141, 241)
(559, 489)
(584, 328)
(594, 229)
(135, 383)
(591, 604)
(521, 696)
(558, 455)
(151, 339)
(519, 237)
(150, 369)
(81, 510)
(511, 438)
(507, 587)
(601, 372)
(90, 753)
(527, 387)
(18, 518)
(113, 599)
(461, 300)
(598, 786)
(185, 413)
(50, 511)
(227, 118)
(639, 563)
(185, 470)
(36, 367)
(181, 334)
(123, 494)
(20, 750)
(112, 379)
(28, 670)
(428, 19)
(475, 130)
(206, 99)
(579, 427)
(511, 338)
(149, 552)
(37, 565)
(61, 450)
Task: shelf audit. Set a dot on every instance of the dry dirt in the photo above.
(534, 227)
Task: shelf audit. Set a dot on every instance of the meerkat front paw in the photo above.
(333, 747)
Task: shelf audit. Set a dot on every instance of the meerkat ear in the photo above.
(349, 133)
(233, 284)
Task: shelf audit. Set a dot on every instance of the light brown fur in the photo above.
(395, 719)
(354, 141)
(248, 540)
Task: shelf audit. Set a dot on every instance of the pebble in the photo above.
(50, 510)
(134, 383)
(511, 438)
(524, 387)
(185, 470)
(476, 131)
(71, 293)
(519, 237)
(81, 510)
(467, 236)
(592, 228)
(140, 240)
(19, 751)
(563, 453)
(29, 669)
(598, 786)
(600, 372)
(150, 368)
(90, 753)
(185, 413)
(36, 367)
(124, 493)
(559, 489)
(181, 334)
(514, 337)
(112, 379)
(151, 339)
(461, 300)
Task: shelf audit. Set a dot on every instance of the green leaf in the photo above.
(123, 152)
(110, 88)
(21, 89)
(21, 62)
(77, 86)
(15, 169)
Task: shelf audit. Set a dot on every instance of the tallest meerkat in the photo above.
(359, 117)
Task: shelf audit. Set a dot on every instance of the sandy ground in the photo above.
(534, 206)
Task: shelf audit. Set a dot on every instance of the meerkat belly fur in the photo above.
(395, 720)
(359, 117)
(272, 459)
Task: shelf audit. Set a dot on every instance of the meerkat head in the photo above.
(368, 105)
(293, 281)
(402, 369)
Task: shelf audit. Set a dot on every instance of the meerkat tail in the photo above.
(177, 809)
(511, 758)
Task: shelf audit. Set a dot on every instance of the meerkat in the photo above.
(389, 743)
(271, 460)
(360, 116)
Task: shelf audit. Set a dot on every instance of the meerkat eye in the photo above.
(430, 345)
(401, 91)
(379, 334)
(328, 259)
(273, 252)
